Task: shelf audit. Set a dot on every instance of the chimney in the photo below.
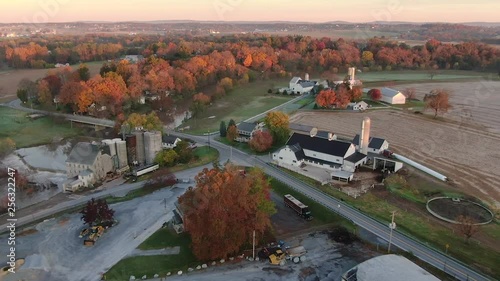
(364, 137)
(306, 77)
(331, 136)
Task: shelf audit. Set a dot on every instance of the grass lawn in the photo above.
(419, 226)
(240, 104)
(150, 265)
(26, 132)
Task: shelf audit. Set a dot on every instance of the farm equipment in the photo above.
(388, 154)
(279, 256)
(301, 209)
(95, 233)
(84, 232)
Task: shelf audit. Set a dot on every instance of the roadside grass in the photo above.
(239, 104)
(246, 147)
(26, 132)
(420, 227)
(159, 264)
(321, 215)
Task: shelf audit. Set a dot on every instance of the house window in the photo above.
(281, 158)
(294, 161)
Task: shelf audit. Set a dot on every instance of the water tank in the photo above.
(139, 149)
(121, 151)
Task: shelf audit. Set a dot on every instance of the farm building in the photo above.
(86, 164)
(358, 106)
(301, 86)
(387, 268)
(246, 130)
(375, 145)
(325, 153)
(392, 96)
(169, 142)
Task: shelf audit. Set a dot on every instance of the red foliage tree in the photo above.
(224, 209)
(96, 212)
(261, 141)
(375, 94)
(326, 98)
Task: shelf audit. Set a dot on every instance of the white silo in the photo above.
(364, 137)
(111, 145)
(140, 149)
(152, 145)
(352, 73)
(306, 77)
(121, 151)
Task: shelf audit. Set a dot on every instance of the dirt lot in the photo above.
(465, 154)
(10, 79)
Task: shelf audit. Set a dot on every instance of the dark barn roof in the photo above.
(333, 147)
(246, 127)
(375, 143)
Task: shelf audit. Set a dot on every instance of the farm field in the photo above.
(10, 79)
(466, 155)
(475, 103)
(26, 132)
(417, 75)
(240, 104)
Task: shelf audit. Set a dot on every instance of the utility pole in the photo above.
(208, 137)
(392, 226)
(253, 246)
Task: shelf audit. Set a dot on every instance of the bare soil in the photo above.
(467, 155)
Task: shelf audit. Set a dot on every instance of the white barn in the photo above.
(301, 86)
(375, 145)
(358, 106)
(392, 96)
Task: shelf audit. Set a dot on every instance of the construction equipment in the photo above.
(84, 232)
(95, 233)
(277, 258)
(296, 254)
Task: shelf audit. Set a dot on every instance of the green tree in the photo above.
(231, 123)
(22, 94)
(222, 129)
(83, 72)
(277, 123)
(167, 158)
(185, 153)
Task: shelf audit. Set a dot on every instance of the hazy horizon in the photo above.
(313, 11)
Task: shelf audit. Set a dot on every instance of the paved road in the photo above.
(402, 241)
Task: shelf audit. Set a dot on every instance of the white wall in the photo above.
(399, 99)
(286, 156)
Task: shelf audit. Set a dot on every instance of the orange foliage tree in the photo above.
(232, 133)
(356, 93)
(343, 98)
(261, 141)
(326, 98)
(438, 100)
(277, 123)
(224, 209)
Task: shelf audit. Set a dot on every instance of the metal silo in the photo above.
(121, 151)
(152, 145)
(139, 150)
(131, 141)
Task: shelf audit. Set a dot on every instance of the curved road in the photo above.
(433, 257)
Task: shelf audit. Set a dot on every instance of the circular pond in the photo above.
(449, 209)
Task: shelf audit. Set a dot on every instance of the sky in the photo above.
(41, 11)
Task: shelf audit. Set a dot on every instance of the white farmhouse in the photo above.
(358, 106)
(246, 130)
(169, 142)
(375, 145)
(392, 96)
(301, 86)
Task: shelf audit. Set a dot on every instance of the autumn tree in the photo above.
(7, 145)
(150, 121)
(410, 93)
(367, 58)
(375, 94)
(232, 133)
(29, 87)
(226, 83)
(467, 226)
(248, 61)
(261, 141)
(78, 95)
(224, 209)
(222, 129)
(200, 101)
(356, 93)
(44, 93)
(184, 151)
(83, 72)
(438, 101)
(167, 158)
(326, 98)
(343, 98)
(277, 123)
(96, 212)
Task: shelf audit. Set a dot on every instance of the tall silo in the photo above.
(112, 148)
(364, 137)
(121, 151)
(139, 147)
(152, 145)
(131, 141)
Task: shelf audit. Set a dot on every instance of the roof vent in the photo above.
(313, 132)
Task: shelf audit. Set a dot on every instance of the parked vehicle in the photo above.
(280, 256)
(301, 209)
(388, 154)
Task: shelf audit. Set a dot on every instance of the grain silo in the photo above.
(121, 151)
(139, 149)
(131, 141)
(152, 145)
(364, 136)
(111, 145)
